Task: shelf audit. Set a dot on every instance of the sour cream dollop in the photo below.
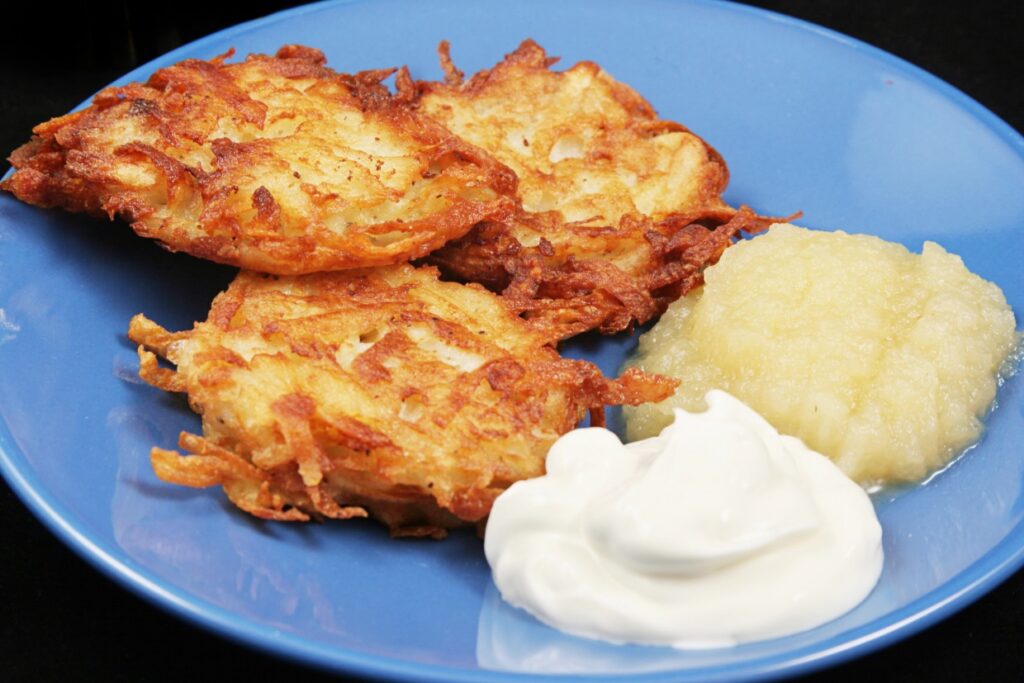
(716, 532)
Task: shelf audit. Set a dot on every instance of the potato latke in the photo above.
(621, 209)
(383, 391)
(581, 143)
(275, 164)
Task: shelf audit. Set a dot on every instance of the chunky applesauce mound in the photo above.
(883, 360)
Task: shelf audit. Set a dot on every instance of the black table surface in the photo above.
(61, 619)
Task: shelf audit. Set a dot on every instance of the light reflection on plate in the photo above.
(805, 120)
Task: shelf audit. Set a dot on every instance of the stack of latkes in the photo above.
(339, 376)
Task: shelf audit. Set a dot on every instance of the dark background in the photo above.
(60, 619)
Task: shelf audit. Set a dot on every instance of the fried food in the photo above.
(577, 277)
(276, 164)
(382, 391)
(621, 210)
(581, 143)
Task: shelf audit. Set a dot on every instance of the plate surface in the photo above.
(807, 120)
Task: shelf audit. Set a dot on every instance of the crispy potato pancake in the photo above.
(581, 143)
(382, 391)
(621, 210)
(276, 164)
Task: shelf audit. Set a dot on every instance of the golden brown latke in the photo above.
(621, 210)
(276, 164)
(581, 143)
(382, 391)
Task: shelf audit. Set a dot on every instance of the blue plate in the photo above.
(807, 119)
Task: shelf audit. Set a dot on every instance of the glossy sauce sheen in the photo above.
(716, 532)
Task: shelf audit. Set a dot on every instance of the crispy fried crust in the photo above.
(621, 210)
(577, 278)
(582, 143)
(382, 392)
(275, 164)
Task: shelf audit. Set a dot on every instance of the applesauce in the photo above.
(884, 360)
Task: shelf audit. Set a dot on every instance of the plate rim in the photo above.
(969, 584)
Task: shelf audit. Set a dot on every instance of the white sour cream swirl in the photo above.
(716, 532)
